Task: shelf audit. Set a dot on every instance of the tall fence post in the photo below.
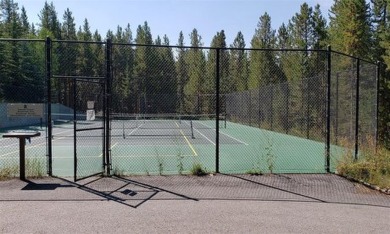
(288, 108)
(272, 107)
(107, 99)
(328, 103)
(336, 121)
(74, 129)
(377, 104)
(217, 84)
(49, 119)
(357, 108)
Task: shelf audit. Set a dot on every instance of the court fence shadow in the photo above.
(135, 191)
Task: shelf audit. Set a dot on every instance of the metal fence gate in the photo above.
(81, 93)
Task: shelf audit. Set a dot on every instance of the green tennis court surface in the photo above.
(173, 147)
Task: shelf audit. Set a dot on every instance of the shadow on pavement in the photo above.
(135, 191)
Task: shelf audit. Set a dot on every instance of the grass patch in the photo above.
(118, 171)
(373, 167)
(180, 163)
(8, 172)
(255, 171)
(198, 170)
(35, 168)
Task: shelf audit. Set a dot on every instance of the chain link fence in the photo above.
(283, 97)
(156, 109)
(23, 106)
(159, 106)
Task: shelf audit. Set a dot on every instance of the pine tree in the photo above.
(320, 30)
(49, 26)
(67, 57)
(304, 70)
(239, 64)
(181, 71)
(381, 23)
(25, 23)
(194, 87)
(218, 42)
(301, 28)
(167, 83)
(349, 29)
(283, 38)
(144, 75)
(14, 81)
(262, 63)
(12, 24)
(123, 58)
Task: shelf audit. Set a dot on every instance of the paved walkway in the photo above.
(210, 204)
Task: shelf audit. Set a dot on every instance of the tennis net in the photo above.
(126, 125)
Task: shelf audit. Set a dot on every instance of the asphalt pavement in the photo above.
(288, 203)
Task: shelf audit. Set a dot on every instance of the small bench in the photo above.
(22, 143)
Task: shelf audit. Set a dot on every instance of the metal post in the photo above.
(377, 104)
(48, 114)
(217, 81)
(337, 110)
(22, 158)
(328, 93)
(272, 107)
(259, 105)
(250, 108)
(357, 109)
(108, 100)
(287, 107)
(308, 107)
(74, 129)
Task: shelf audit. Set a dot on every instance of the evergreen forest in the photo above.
(182, 65)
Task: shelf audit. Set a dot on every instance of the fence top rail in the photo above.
(220, 48)
(80, 42)
(354, 57)
(22, 39)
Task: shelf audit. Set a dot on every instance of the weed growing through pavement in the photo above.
(119, 172)
(270, 156)
(180, 164)
(198, 170)
(256, 166)
(160, 162)
(146, 168)
(372, 165)
(10, 171)
(35, 168)
(179, 156)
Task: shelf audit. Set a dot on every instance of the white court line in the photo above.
(70, 130)
(43, 135)
(188, 142)
(10, 145)
(129, 156)
(242, 142)
(30, 147)
(17, 151)
(202, 134)
(78, 157)
(101, 155)
(154, 155)
(135, 129)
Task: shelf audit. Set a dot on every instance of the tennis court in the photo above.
(157, 120)
(170, 145)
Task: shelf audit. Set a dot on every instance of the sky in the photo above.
(172, 16)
